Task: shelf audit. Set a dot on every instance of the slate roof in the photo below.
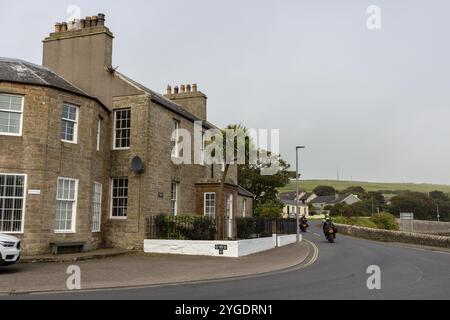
(20, 71)
(15, 70)
(291, 196)
(245, 192)
(168, 104)
(331, 200)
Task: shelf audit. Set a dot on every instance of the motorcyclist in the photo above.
(327, 226)
(304, 221)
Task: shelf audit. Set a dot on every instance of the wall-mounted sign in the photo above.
(34, 192)
(221, 248)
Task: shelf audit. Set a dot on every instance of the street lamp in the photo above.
(298, 186)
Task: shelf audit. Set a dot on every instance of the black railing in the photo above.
(215, 228)
(181, 227)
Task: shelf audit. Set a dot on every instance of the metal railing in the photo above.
(215, 228)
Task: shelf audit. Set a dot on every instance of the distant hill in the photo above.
(309, 185)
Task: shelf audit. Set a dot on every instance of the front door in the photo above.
(230, 215)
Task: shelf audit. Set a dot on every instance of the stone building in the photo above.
(87, 153)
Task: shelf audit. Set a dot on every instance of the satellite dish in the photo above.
(137, 165)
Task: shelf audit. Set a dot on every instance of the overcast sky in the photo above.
(375, 103)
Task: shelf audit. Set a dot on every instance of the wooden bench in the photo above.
(56, 245)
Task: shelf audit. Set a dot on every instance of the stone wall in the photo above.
(394, 236)
(429, 227)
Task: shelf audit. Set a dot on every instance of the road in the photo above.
(340, 272)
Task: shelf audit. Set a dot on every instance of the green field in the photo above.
(309, 185)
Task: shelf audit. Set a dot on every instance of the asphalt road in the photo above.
(340, 272)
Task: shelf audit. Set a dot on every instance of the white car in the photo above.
(10, 250)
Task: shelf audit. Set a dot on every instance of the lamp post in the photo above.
(298, 189)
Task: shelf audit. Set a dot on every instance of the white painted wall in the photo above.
(247, 247)
(236, 249)
(287, 240)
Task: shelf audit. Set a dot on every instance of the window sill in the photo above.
(118, 218)
(70, 142)
(14, 233)
(65, 232)
(17, 135)
(121, 149)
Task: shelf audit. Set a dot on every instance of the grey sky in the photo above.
(374, 103)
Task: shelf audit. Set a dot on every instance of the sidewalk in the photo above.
(142, 269)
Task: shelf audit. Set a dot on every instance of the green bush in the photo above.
(245, 228)
(270, 210)
(385, 221)
(356, 221)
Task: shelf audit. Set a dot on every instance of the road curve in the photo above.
(340, 272)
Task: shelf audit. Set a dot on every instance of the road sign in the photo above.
(406, 216)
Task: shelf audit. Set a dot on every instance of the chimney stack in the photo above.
(190, 99)
(64, 27)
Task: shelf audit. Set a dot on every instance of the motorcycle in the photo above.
(331, 235)
(303, 227)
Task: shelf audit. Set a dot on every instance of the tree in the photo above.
(324, 191)
(418, 203)
(271, 210)
(264, 187)
(357, 190)
(439, 195)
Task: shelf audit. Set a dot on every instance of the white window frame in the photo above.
(99, 133)
(112, 199)
(244, 210)
(175, 152)
(97, 205)
(14, 111)
(174, 201)
(74, 207)
(115, 130)
(25, 192)
(204, 204)
(76, 121)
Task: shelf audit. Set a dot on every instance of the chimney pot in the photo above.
(101, 19)
(58, 27)
(175, 90)
(188, 88)
(183, 88)
(194, 87)
(64, 27)
(88, 22)
(169, 90)
(93, 21)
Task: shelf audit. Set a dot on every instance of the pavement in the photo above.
(143, 270)
(340, 272)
